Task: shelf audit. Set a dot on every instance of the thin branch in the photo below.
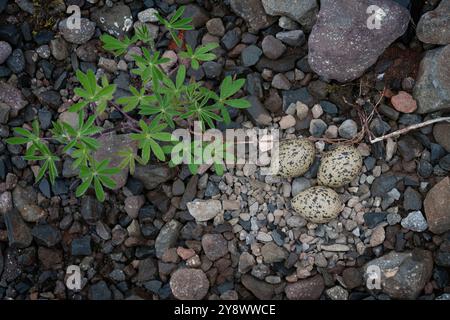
(409, 128)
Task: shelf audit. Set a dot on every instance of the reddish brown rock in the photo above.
(215, 246)
(189, 284)
(307, 289)
(441, 133)
(437, 207)
(260, 289)
(404, 102)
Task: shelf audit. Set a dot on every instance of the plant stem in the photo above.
(409, 128)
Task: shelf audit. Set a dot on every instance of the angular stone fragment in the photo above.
(345, 42)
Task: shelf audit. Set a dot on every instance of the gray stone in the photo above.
(260, 289)
(133, 204)
(116, 20)
(412, 200)
(305, 289)
(250, 56)
(198, 15)
(383, 184)
(292, 96)
(16, 61)
(432, 89)
(19, 234)
(5, 51)
(403, 274)
(75, 35)
(272, 47)
(25, 200)
(337, 293)
(58, 48)
(152, 175)
(215, 27)
(204, 210)
(212, 69)
(434, 26)
(342, 47)
(415, 221)
(272, 253)
(317, 127)
(302, 11)
(292, 38)
(167, 237)
(110, 145)
(252, 11)
(246, 262)
(12, 97)
(348, 129)
(81, 246)
(300, 184)
(148, 15)
(190, 192)
(46, 235)
(100, 291)
(91, 209)
(257, 113)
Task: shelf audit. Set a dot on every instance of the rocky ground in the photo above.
(313, 70)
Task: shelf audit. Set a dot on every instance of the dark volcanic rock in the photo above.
(437, 207)
(167, 237)
(260, 289)
(12, 97)
(152, 175)
(441, 133)
(116, 20)
(403, 274)
(302, 11)
(305, 289)
(47, 235)
(432, 89)
(342, 47)
(252, 11)
(434, 26)
(19, 235)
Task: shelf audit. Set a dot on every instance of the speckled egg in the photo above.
(296, 156)
(317, 204)
(339, 166)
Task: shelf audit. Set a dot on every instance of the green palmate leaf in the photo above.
(230, 87)
(99, 174)
(99, 192)
(176, 23)
(92, 92)
(238, 103)
(17, 140)
(116, 46)
(201, 53)
(83, 187)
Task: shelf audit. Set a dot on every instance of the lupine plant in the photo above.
(155, 106)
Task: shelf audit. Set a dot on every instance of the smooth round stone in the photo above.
(5, 51)
(189, 284)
